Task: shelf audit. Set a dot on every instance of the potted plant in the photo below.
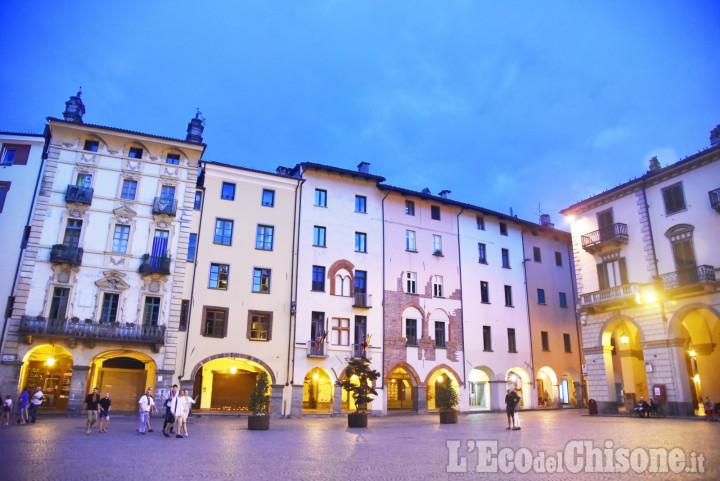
(259, 419)
(358, 384)
(74, 319)
(446, 398)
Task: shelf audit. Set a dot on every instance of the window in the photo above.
(512, 347)
(435, 212)
(317, 326)
(259, 326)
(360, 203)
(439, 334)
(108, 311)
(360, 242)
(223, 232)
(319, 236)
(4, 188)
(545, 341)
(566, 341)
(321, 197)
(268, 198)
(503, 228)
(167, 192)
(135, 153)
(219, 276)
(340, 332)
(437, 245)
(184, 312)
(72, 233)
(537, 257)
(612, 273)
(487, 338)
(541, 296)
(360, 329)
(563, 299)
(558, 258)
(411, 332)
(192, 248)
(480, 223)
(264, 238)
(261, 280)
(506, 258)
(8, 155)
(410, 241)
(484, 292)
(58, 307)
(360, 282)
(508, 296)
(674, 198)
(172, 159)
(160, 242)
(198, 200)
(409, 207)
(228, 191)
(411, 283)
(482, 253)
(91, 145)
(151, 311)
(120, 239)
(437, 282)
(129, 189)
(84, 180)
(214, 321)
(318, 278)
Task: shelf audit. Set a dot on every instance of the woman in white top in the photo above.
(186, 411)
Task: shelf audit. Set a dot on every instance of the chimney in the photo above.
(545, 221)
(445, 194)
(654, 164)
(195, 129)
(715, 136)
(74, 109)
(364, 167)
(426, 191)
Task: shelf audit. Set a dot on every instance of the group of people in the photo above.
(27, 406)
(512, 400)
(711, 409)
(97, 408)
(177, 410)
(644, 409)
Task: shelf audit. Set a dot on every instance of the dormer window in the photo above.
(172, 159)
(91, 145)
(135, 153)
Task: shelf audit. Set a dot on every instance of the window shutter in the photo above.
(623, 271)
(601, 276)
(22, 152)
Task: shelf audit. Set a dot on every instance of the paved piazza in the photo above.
(397, 447)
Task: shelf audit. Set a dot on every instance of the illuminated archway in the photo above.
(125, 374)
(479, 387)
(48, 366)
(317, 392)
(625, 362)
(434, 382)
(401, 390)
(347, 401)
(225, 383)
(518, 380)
(546, 383)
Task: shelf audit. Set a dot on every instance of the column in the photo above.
(78, 388)
(276, 398)
(420, 399)
(337, 399)
(498, 390)
(578, 394)
(296, 401)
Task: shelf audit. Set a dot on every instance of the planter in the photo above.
(357, 420)
(449, 417)
(258, 423)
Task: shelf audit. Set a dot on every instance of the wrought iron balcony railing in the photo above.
(715, 199)
(32, 325)
(615, 294)
(62, 254)
(363, 300)
(317, 349)
(164, 206)
(78, 194)
(154, 265)
(612, 234)
(688, 277)
(359, 353)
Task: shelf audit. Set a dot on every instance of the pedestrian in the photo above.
(105, 412)
(710, 409)
(35, 403)
(174, 418)
(92, 406)
(23, 403)
(153, 410)
(6, 410)
(511, 400)
(145, 404)
(186, 412)
(516, 416)
(169, 399)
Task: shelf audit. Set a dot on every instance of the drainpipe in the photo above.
(382, 384)
(290, 376)
(577, 323)
(192, 289)
(23, 246)
(646, 207)
(462, 311)
(527, 307)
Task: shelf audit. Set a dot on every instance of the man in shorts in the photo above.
(92, 405)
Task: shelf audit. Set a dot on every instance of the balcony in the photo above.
(613, 235)
(616, 297)
(363, 300)
(359, 353)
(76, 194)
(694, 278)
(164, 206)
(154, 265)
(715, 199)
(315, 349)
(90, 332)
(62, 254)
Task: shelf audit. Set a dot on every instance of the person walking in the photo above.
(511, 400)
(177, 407)
(6, 410)
(169, 399)
(92, 406)
(105, 412)
(23, 403)
(35, 403)
(145, 404)
(186, 412)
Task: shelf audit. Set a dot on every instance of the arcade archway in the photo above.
(48, 366)
(317, 392)
(401, 390)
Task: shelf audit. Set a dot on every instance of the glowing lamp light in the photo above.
(315, 377)
(392, 381)
(625, 339)
(354, 377)
(50, 361)
(692, 353)
(696, 378)
(233, 370)
(440, 378)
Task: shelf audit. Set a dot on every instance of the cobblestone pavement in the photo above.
(396, 447)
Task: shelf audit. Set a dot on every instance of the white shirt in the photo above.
(188, 402)
(37, 398)
(177, 405)
(146, 403)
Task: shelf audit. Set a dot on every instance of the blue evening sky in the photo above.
(506, 103)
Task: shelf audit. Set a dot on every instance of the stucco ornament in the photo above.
(113, 280)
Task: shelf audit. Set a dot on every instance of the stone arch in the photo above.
(134, 142)
(674, 329)
(447, 368)
(614, 321)
(333, 270)
(414, 376)
(238, 355)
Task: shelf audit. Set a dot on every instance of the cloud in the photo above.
(610, 137)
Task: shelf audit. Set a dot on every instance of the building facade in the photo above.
(646, 268)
